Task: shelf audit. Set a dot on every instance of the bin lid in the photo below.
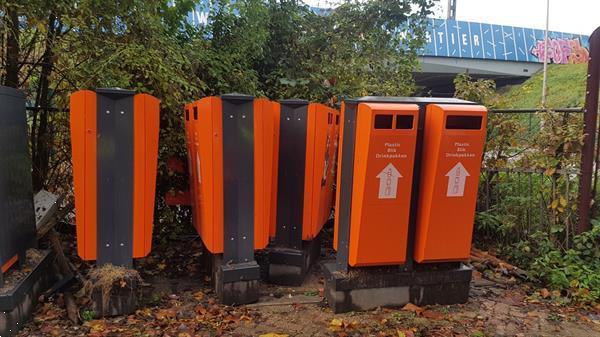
(237, 96)
(414, 100)
(8, 91)
(294, 101)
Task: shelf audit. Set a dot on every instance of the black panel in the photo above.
(115, 176)
(17, 218)
(238, 178)
(404, 122)
(463, 122)
(292, 162)
(346, 170)
(383, 121)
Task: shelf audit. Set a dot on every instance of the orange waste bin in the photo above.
(402, 199)
(383, 165)
(307, 147)
(114, 140)
(231, 143)
(452, 152)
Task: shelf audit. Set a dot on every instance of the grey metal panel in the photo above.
(115, 176)
(292, 162)
(238, 178)
(346, 170)
(17, 217)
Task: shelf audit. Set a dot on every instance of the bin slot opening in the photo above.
(337, 119)
(404, 121)
(330, 118)
(383, 121)
(187, 114)
(463, 122)
(196, 113)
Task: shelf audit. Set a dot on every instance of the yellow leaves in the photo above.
(272, 334)
(559, 204)
(96, 325)
(413, 308)
(336, 324)
(199, 296)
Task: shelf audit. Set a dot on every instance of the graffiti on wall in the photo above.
(562, 51)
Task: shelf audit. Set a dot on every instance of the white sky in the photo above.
(568, 16)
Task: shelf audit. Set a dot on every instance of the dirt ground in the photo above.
(186, 307)
(179, 302)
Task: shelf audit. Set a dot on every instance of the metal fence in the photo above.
(521, 196)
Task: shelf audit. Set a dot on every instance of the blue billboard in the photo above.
(462, 39)
(475, 40)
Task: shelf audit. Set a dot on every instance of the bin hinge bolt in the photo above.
(232, 239)
(108, 245)
(243, 116)
(107, 112)
(122, 244)
(122, 112)
(230, 116)
(244, 237)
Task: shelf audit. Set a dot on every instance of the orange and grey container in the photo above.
(385, 139)
(452, 152)
(17, 220)
(114, 140)
(307, 151)
(402, 200)
(232, 142)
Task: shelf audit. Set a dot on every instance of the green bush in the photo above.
(575, 272)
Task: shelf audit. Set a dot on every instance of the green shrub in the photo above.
(575, 272)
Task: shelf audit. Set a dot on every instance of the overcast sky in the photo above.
(568, 16)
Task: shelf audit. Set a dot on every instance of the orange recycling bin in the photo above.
(385, 142)
(114, 140)
(232, 143)
(307, 154)
(452, 151)
(306, 171)
(232, 148)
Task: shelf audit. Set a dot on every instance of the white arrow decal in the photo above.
(457, 177)
(388, 182)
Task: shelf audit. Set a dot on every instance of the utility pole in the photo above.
(451, 10)
(544, 89)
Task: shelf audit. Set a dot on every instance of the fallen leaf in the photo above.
(544, 293)
(432, 314)
(413, 308)
(96, 325)
(199, 296)
(273, 334)
(336, 324)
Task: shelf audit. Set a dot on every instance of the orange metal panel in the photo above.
(318, 181)
(207, 159)
(4, 268)
(188, 116)
(205, 153)
(263, 155)
(383, 166)
(145, 153)
(83, 143)
(450, 176)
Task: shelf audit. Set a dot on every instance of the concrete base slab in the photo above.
(237, 283)
(17, 305)
(368, 288)
(289, 266)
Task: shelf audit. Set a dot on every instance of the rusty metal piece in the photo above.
(589, 129)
